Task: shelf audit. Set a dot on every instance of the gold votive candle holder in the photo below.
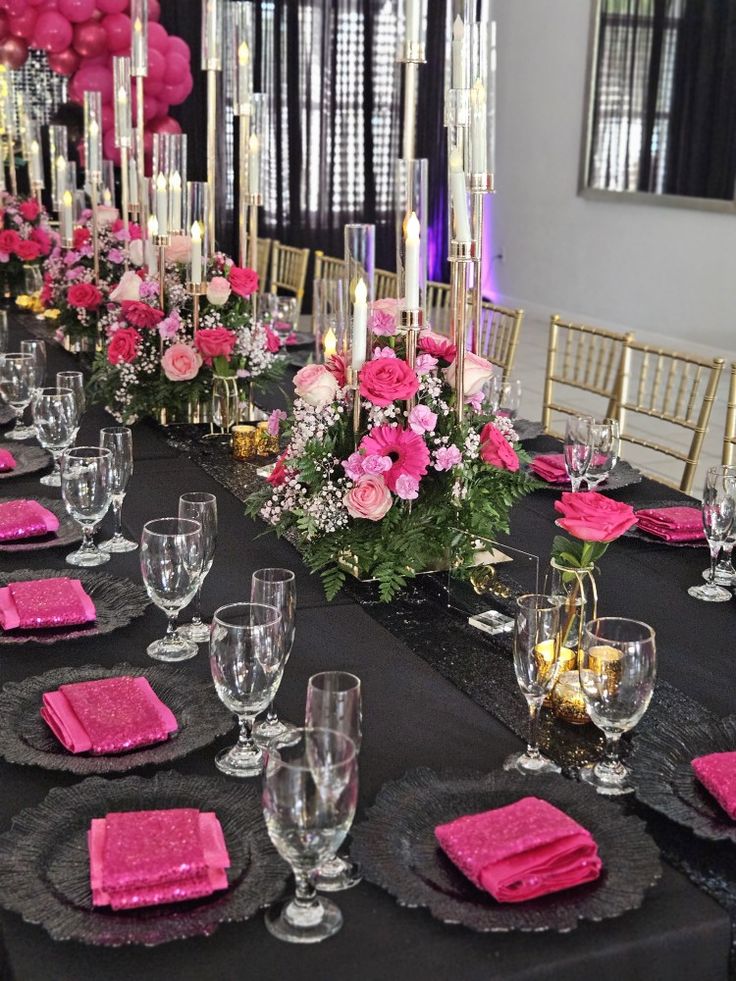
(568, 702)
(266, 444)
(545, 652)
(608, 663)
(244, 442)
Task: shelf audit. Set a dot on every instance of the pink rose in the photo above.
(368, 498)
(315, 385)
(30, 210)
(9, 240)
(593, 517)
(135, 252)
(179, 249)
(215, 342)
(123, 345)
(422, 419)
(244, 282)
(476, 373)
(27, 250)
(383, 316)
(438, 346)
(84, 295)
(218, 291)
(129, 288)
(43, 238)
(387, 380)
(496, 450)
(181, 362)
(141, 314)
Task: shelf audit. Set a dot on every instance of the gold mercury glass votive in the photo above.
(607, 662)
(567, 699)
(266, 444)
(244, 442)
(546, 652)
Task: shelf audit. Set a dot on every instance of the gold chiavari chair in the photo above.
(327, 266)
(289, 270)
(499, 335)
(385, 284)
(264, 254)
(438, 306)
(667, 387)
(729, 435)
(585, 359)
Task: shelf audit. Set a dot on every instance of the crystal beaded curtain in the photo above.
(43, 90)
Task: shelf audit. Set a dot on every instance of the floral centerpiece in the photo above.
(25, 239)
(412, 488)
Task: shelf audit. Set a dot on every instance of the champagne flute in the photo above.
(578, 449)
(75, 381)
(171, 565)
(119, 440)
(537, 665)
(203, 508)
(55, 418)
(276, 587)
(618, 669)
(310, 792)
(247, 660)
(719, 509)
(17, 383)
(86, 490)
(725, 572)
(334, 702)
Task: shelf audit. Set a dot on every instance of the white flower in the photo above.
(129, 288)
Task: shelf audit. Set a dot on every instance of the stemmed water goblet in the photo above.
(334, 702)
(74, 380)
(17, 384)
(719, 510)
(725, 572)
(276, 587)
(37, 350)
(86, 489)
(171, 565)
(203, 508)
(605, 444)
(55, 418)
(509, 398)
(247, 659)
(537, 666)
(310, 791)
(119, 440)
(618, 669)
(577, 449)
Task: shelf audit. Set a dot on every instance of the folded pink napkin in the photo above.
(550, 467)
(7, 461)
(143, 858)
(25, 519)
(45, 603)
(677, 524)
(112, 715)
(521, 851)
(717, 773)
(292, 339)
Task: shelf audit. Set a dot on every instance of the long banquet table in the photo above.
(413, 716)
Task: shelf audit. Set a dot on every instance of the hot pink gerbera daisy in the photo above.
(407, 451)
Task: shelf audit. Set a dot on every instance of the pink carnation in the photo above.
(447, 457)
(407, 488)
(383, 316)
(422, 420)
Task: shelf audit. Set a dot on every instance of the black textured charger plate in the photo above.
(28, 459)
(397, 850)
(44, 860)
(622, 475)
(25, 738)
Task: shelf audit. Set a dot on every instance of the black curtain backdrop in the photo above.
(702, 147)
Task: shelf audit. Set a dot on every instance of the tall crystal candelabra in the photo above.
(212, 18)
(243, 34)
(9, 124)
(360, 249)
(123, 129)
(35, 160)
(139, 70)
(196, 218)
(93, 158)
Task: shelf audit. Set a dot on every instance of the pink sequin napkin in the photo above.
(717, 773)
(45, 603)
(25, 519)
(7, 461)
(521, 851)
(112, 715)
(143, 858)
(677, 524)
(550, 467)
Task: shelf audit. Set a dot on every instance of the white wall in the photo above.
(667, 271)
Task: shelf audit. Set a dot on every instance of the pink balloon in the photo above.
(53, 32)
(90, 39)
(156, 65)
(176, 94)
(13, 52)
(117, 29)
(157, 37)
(4, 26)
(154, 86)
(17, 7)
(150, 107)
(112, 6)
(179, 46)
(165, 124)
(154, 10)
(177, 68)
(65, 62)
(38, 3)
(97, 78)
(77, 11)
(23, 25)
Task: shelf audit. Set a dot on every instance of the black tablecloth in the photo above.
(413, 717)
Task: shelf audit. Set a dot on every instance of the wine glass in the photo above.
(310, 791)
(334, 702)
(33, 284)
(283, 311)
(725, 572)
(578, 449)
(537, 665)
(86, 489)
(202, 508)
(605, 443)
(276, 587)
(17, 383)
(37, 350)
(719, 509)
(119, 440)
(55, 418)
(4, 336)
(247, 659)
(618, 668)
(509, 398)
(171, 564)
(75, 381)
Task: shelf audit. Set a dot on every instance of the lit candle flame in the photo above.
(330, 344)
(196, 232)
(361, 292)
(152, 226)
(160, 182)
(413, 228)
(243, 54)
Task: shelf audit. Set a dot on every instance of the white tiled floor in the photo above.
(530, 368)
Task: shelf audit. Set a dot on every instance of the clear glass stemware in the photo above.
(578, 449)
(200, 507)
(75, 381)
(17, 383)
(276, 587)
(37, 350)
(618, 669)
(605, 443)
(719, 510)
(55, 418)
(86, 490)
(247, 660)
(310, 792)
(725, 572)
(119, 440)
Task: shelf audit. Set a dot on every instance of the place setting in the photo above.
(590, 457)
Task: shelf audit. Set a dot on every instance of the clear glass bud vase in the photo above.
(579, 592)
(225, 403)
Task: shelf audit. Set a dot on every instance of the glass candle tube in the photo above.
(243, 43)
(359, 275)
(412, 20)
(212, 13)
(411, 233)
(139, 37)
(121, 102)
(197, 224)
(93, 133)
(58, 147)
(482, 114)
(35, 158)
